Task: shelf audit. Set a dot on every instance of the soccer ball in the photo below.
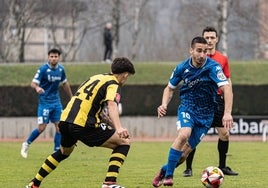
(212, 177)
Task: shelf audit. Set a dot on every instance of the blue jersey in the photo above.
(199, 88)
(49, 79)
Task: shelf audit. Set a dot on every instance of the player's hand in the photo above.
(161, 111)
(227, 121)
(123, 133)
(39, 90)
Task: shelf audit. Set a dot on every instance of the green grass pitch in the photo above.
(86, 168)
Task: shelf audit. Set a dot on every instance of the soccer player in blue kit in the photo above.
(201, 77)
(46, 83)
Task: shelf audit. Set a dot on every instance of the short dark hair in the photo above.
(54, 51)
(198, 39)
(121, 65)
(209, 29)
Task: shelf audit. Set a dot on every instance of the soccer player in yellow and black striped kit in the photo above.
(81, 120)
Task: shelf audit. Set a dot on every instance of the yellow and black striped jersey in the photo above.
(85, 106)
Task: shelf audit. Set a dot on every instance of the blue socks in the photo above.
(173, 158)
(57, 139)
(35, 133)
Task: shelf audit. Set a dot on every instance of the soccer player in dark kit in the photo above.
(81, 120)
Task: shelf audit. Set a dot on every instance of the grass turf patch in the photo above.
(86, 167)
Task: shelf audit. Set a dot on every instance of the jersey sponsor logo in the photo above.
(53, 78)
(192, 83)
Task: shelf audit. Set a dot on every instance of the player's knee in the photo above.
(125, 141)
(60, 155)
(41, 128)
(182, 138)
(66, 151)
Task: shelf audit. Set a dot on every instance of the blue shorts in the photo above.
(49, 113)
(199, 125)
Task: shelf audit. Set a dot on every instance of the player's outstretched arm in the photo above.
(227, 119)
(167, 96)
(114, 116)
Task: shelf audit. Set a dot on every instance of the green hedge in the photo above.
(137, 100)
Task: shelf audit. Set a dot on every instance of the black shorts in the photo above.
(91, 136)
(217, 120)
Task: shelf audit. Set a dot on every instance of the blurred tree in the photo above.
(19, 15)
(263, 30)
(116, 25)
(143, 30)
(223, 7)
(139, 8)
(65, 16)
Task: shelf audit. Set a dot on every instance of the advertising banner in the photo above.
(245, 125)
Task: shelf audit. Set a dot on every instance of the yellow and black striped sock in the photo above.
(116, 161)
(48, 166)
